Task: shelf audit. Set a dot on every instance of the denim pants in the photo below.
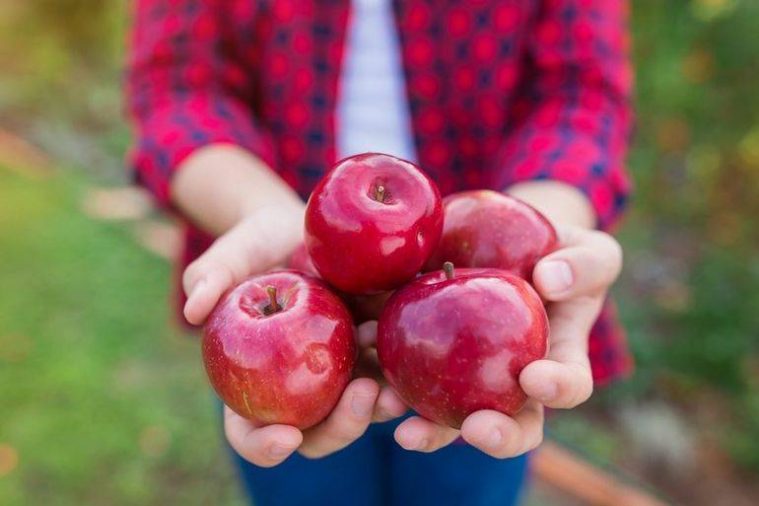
(375, 471)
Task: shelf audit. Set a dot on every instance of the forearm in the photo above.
(219, 185)
(559, 202)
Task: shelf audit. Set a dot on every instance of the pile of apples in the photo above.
(447, 279)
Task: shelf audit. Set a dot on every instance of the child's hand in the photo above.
(574, 280)
(362, 403)
(256, 244)
(253, 246)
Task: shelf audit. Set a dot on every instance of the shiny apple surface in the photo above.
(489, 229)
(287, 362)
(451, 347)
(372, 223)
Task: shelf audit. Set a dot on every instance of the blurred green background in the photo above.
(103, 400)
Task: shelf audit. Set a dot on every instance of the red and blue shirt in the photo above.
(499, 91)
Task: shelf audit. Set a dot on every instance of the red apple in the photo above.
(372, 223)
(362, 307)
(454, 343)
(489, 229)
(280, 348)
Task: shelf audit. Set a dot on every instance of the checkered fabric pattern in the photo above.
(500, 91)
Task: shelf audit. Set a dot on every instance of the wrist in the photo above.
(218, 186)
(559, 202)
(281, 205)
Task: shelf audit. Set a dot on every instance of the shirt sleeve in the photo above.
(188, 85)
(572, 120)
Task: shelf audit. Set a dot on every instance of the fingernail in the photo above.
(494, 438)
(279, 451)
(362, 405)
(556, 276)
(546, 392)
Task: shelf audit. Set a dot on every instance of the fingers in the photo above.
(575, 279)
(270, 445)
(228, 253)
(265, 446)
(564, 379)
(240, 252)
(203, 295)
(368, 365)
(389, 405)
(419, 434)
(367, 334)
(501, 436)
(223, 265)
(557, 385)
(587, 264)
(347, 422)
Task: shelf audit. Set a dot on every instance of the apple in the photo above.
(485, 228)
(280, 348)
(362, 307)
(452, 343)
(372, 223)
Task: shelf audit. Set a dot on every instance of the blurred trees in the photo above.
(690, 293)
(61, 58)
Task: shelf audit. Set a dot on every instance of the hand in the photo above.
(255, 245)
(362, 403)
(574, 281)
(227, 191)
(259, 242)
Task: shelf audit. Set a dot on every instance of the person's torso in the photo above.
(372, 113)
(462, 64)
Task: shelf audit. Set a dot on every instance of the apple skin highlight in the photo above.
(372, 223)
(287, 364)
(454, 345)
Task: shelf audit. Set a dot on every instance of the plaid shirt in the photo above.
(500, 91)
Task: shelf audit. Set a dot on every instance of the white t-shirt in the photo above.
(372, 106)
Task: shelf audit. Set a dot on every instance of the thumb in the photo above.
(232, 258)
(587, 265)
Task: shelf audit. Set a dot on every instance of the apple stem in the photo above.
(379, 193)
(448, 269)
(273, 306)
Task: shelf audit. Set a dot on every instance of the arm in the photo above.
(258, 218)
(574, 281)
(200, 152)
(227, 190)
(199, 149)
(220, 185)
(563, 155)
(572, 120)
(187, 89)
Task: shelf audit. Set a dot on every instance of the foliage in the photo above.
(690, 294)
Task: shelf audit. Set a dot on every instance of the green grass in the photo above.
(103, 402)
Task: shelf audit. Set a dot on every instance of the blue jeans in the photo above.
(375, 471)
